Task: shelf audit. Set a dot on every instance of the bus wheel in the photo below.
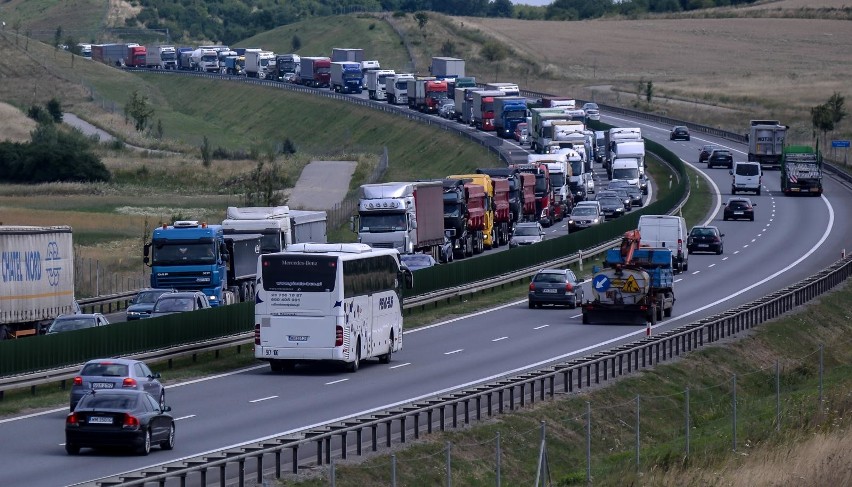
(386, 358)
(276, 366)
(355, 364)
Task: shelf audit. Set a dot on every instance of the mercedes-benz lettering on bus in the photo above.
(329, 302)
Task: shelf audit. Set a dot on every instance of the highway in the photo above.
(790, 239)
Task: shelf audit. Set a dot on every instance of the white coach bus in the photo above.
(329, 302)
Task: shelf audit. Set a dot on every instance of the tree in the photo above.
(206, 157)
(54, 108)
(494, 52)
(296, 43)
(822, 120)
(649, 91)
(421, 19)
(57, 37)
(501, 8)
(835, 108)
(139, 110)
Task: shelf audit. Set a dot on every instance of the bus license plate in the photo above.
(297, 338)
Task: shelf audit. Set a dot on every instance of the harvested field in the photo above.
(15, 126)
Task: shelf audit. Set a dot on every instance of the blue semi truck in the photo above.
(509, 111)
(346, 77)
(193, 256)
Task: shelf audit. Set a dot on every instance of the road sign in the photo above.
(840, 144)
(600, 283)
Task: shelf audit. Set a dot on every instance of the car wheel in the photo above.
(169, 443)
(688, 250)
(145, 448)
(573, 305)
(719, 252)
(687, 138)
(386, 358)
(530, 304)
(585, 319)
(276, 366)
(758, 191)
(355, 364)
(162, 399)
(709, 166)
(751, 218)
(725, 218)
(72, 449)
(733, 190)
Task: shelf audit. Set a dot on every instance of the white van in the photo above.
(747, 176)
(627, 169)
(669, 232)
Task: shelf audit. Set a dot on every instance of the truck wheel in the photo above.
(667, 312)
(659, 313)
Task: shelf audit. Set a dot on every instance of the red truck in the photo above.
(136, 57)
(502, 210)
(132, 55)
(527, 193)
(545, 211)
(315, 71)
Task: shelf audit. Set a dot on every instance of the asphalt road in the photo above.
(790, 239)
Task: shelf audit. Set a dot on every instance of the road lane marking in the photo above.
(752, 240)
(711, 265)
(185, 417)
(498, 339)
(400, 365)
(540, 327)
(745, 246)
(696, 272)
(336, 382)
(736, 252)
(724, 258)
(454, 351)
(263, 399)
(678, 280)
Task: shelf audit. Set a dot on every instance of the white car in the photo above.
(592, 110)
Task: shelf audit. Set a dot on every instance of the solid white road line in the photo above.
(336, 382)
(400, 365)
(263, 399)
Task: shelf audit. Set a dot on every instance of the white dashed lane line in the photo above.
(499, 339)
(678, 280)
(540, 327)
(711, 265)
(400, 365)
(724, 258)
(263, 399)
(454, 351)
(336, 382)
(736, 252)
(696, 272)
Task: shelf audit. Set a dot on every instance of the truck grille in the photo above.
(382, 245)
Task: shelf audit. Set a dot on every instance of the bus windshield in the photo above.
(308, 274)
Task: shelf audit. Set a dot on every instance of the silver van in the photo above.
(669, 232)
(747, 176)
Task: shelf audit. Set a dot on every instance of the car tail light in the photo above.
(338, 336)
(128, 382)
(78, 381)
(569, 287)
(130, 422)
(257, 334)
(72, 420)
(532, 286)
(680, 245)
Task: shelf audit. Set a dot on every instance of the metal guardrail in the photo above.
(458, 409)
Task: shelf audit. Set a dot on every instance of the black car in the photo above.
(143, 303)
(555, 286)
(611, 205)
(704, 153)
(720, 157)
(739, 209)
(705, 239)
(632, 191)
(119, 418)
(624, 196)
(679, 133)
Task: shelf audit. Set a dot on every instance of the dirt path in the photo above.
(322, 185)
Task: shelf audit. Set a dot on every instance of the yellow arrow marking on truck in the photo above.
(631, 286)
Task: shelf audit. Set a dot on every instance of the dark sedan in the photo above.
(739, 209)
(720, 157)
(555, 286)
(704, 153)
(143, 303)
(632, 191)
(611, 206)
(119, 418)
(679, 133)
(705, 239)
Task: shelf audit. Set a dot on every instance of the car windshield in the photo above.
(169, 305)
(583, 211)
(71, 324)
(147, 297)
(104, 369)
(747, 170)
(526, 231)
(415, 262)
(608, 201)
(108, 401)
(590, 106)
(625, 173)
(739, 205)
(703, 232)
(721, 153)
(553, 277)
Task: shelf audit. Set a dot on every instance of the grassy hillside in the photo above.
(318, 36)
(80, 19)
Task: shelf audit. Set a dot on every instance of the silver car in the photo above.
(181, 302)
(527, 234)
(116, 373)
(584, 217)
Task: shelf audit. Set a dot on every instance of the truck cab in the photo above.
(397, 88)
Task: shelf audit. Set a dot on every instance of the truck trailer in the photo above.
(376, 83)
(339, 54)
(279, 226)
(766, 142)
(801, 170)
(407, 216)
(161, 57)
(37, 268)
(447, 67)
(464, 216)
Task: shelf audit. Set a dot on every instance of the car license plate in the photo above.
(738, 213)
(703, 246)
(100, 420)
(549, 291)
(102, 385)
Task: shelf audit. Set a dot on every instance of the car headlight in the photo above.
(595, 220)
(133, 313)
(570, 222)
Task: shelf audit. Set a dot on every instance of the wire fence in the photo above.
(601, 442)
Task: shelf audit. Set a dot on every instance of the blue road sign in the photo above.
(840, 144)
(601, 283)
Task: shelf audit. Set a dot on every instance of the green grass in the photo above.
(701, 199)
(80, 19)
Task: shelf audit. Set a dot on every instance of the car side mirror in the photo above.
(155, 375)
(754, 204)
(731, 172)
(166, 409)
(721, 234)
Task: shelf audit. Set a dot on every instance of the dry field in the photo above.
(15, 126)
(760, 66)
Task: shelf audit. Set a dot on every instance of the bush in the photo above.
(52, 155)
(54, 108)
(39, 114)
